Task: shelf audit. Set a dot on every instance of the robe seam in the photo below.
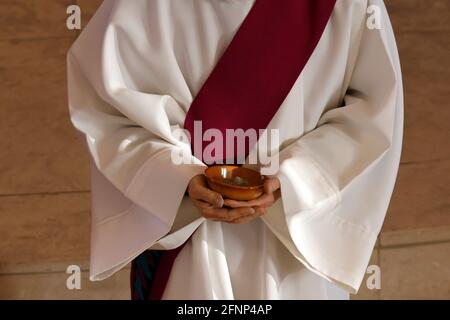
(116, 216)
(138, 176)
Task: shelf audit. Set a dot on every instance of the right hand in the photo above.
(211, 204)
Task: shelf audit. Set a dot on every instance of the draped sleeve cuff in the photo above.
(308, 221)
(157, 197)
(160, 184)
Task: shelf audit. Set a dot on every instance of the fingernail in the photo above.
(252, 210)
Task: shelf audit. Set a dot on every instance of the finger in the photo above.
(263, 201)
(236, 213)
(226, 215)
(208, 195)
(236, 203)
(251, 203)
(202, 204)
(271, 185)
(277, 194)
(198, 189)
(216, 214)
(198, 180)
(259, 211)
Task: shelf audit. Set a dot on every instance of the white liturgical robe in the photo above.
(133, 74)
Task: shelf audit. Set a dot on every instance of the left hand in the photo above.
(271, 194)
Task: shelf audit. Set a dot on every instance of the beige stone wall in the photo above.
(44, 180)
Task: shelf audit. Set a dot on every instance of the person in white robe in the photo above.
(133, 73)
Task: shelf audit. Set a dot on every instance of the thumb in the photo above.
(271, 185)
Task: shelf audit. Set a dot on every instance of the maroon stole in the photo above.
(253, 77)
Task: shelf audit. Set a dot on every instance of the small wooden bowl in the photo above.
(234, 182)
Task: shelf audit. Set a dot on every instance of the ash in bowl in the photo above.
(237, 181)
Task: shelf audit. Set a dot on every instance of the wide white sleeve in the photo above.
(117, 101)
(337, 180)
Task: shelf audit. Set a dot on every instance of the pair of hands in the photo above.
(212, 205)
